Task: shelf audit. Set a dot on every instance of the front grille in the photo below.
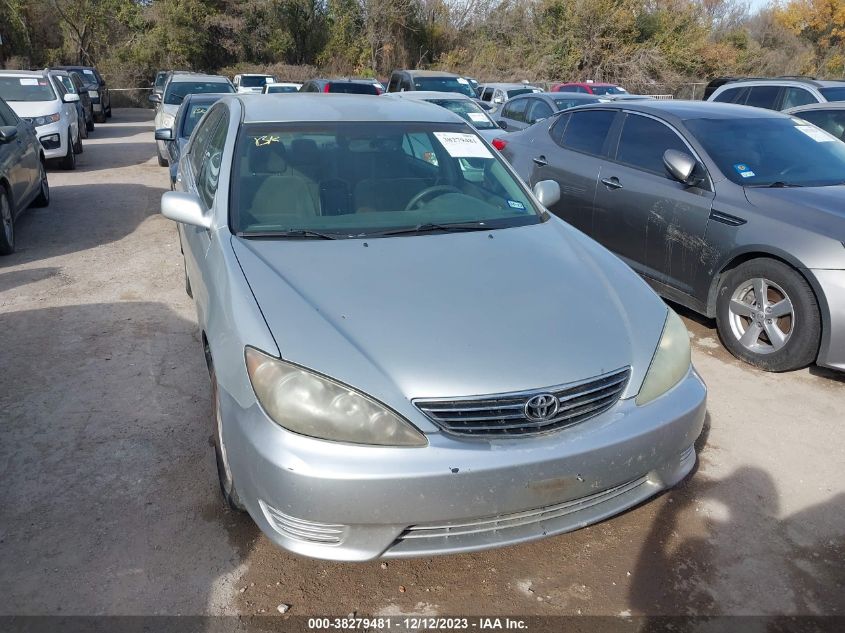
(505, 414)
(302, 530)
(518, 519)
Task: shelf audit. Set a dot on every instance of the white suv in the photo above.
(253, 82)
(779, 93)
(51, 111)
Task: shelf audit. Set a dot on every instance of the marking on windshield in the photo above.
(262, 141)
(463, 145)
(744, 170)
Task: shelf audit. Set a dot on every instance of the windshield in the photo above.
(468, 111)
(176, 91)
(444, 84)
(608, 90)
(256, 81)
(520, 91)
(766, 151)
(833, 94)
(274, 89)
(355, 179)
(89, 78)
(26, 89)
(351, 87)
(192, 116)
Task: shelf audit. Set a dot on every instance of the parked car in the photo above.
(252, 82)
(193, 107)
(23, 173)
(734, 212)
(590, 88)
(497, 94)
(369, 394)
(828, 116)
(431, 80)
(779, 93)
(465, 107)
(177, 87)
(281, 87)
(65, 84)
(341, 85)
(97, 90)
(527, 109)
(37, 98)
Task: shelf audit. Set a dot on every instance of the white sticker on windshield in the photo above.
(461, 145)
(815, 133)
(477, 117)
(88, 72)
(463, 81)
(29, 81)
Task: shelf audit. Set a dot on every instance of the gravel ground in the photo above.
(110, 502)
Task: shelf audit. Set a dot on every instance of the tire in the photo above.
(162, 162)
(188, 290)
(77, 147)
(83, 129)
(224, 475)
(89, 124)
(100, 118)
(69, 160)
(7, 224)
(108, 112)
(784, 334)
(43, 198)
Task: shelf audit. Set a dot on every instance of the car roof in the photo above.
(685, 110)
(428, 73)
(425, 95)
(180, 77)
(782, 81)
(23, 73)
(585, 83)
(508, 85)
(336, 107)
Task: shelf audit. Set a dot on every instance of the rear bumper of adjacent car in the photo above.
(341, 502)
(54, 139)
(831, 284)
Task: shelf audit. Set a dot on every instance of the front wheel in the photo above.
(224, 475)
(768, 316)
(43, 198)
(7, 224)
(69, 160)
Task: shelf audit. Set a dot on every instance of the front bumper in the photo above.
(831, 284)
(335, 501)
(47, 135)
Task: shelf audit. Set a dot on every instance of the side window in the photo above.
(393, 86)
(201, 137)
(487, 95)
(209, 175)
(418, 146)
(515, 110)
(728, 96)
(643, 142)
(763, 97)
(7, 115)
(539, 110)
(794, 97)
(405, 85)
(558, 128)
(587, 131)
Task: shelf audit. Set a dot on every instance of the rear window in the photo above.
(279, 89)
(608, 90)
(563, 104)
(26, 89)
(176, 91)
(349, 87)
(444, 84)
(255, 81)
(468, 111)
(520, 91)
(587, 131)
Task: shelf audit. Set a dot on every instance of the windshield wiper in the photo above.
(432, 226)
(778, 184)
(295, 234)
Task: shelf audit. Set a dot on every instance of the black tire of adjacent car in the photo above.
(43, 198)
(802, 346)
(69, 160)
(89, 124)
(227, 485)
(162, 162)
(7, 223)
(77, 147)
(188, 289)
(83, 129)
(108, 112)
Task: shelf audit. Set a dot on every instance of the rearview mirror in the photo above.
(155, 98)
(70, 98)
(547, 192)
(185, 208)
(681, 166)
(8, 133)
(164, 134)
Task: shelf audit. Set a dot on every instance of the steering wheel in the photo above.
(436, 190)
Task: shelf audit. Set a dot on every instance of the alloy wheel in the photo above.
(6, 218)
(762, 317)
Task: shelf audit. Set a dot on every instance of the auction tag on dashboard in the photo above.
(462, 145)
(477, 117)
(29, 81)
(463, 81)
(815, 133)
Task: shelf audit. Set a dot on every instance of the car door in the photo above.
(655, 223)
(19, 158)
(572, 154)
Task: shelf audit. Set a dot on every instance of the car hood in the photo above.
(30, 109)
(821, 209)
(444, 315)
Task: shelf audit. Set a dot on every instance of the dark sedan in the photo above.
(735, 212)
(524, 110)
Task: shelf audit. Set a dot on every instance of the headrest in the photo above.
(304, 150)
(267, 157)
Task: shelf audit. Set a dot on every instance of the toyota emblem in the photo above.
(541, 407)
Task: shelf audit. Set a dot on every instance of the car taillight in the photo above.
(327, 88)
(499, 144)
(378, 90)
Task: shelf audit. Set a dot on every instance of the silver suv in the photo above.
(779, 94)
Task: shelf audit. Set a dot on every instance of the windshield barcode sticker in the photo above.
(815, 133)
(462, 145)
(477, 117)
(27, 81)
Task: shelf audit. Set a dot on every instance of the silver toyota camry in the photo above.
(408, 354)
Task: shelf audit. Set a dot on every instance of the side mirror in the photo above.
(681, 166)
(155, 98)
(547, 192)
(70, 98)
(503, 124)
(185, 208)
(8, 133)
(164, 134)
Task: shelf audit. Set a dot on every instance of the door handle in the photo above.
(540, 161)
(611, 183)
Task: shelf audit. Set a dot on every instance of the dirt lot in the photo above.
(109, 502)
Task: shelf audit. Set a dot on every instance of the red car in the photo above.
(590, 88)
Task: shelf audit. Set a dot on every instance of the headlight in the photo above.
(309, 404)
(93, 94)
(46, 120)
(167, 120)
(671, 361)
